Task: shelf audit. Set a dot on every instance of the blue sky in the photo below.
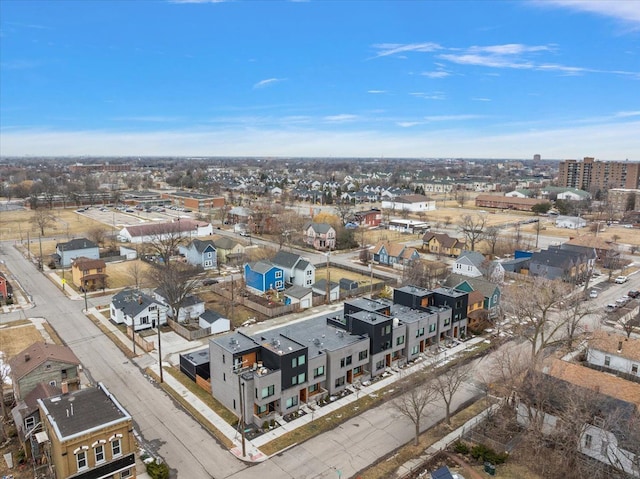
(504, 79)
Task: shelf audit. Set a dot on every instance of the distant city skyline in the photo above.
(465, 79)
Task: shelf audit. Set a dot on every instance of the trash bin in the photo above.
(492, 470)
(486, 467)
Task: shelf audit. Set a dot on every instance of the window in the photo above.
(587, 440)
(362, 355)
(432, 328)
(386, 329)
(223, 359)
(116, 448)
(313, 388)
(340, 381)
(447, 321)
(607, 360)
(380, 365)
(126, 473)
(634, 369)
(278, 284)
(278, 274)
(261, 409)
(420, 332)
(81, 460)
(357, 370)
(414, 350)
(604, 448)
(400, 340)
(302, 377)
(268, 391)
(348, 360)
(319, 371)
(29, 422)
(99, 451)
(292, 401)
(299, 361)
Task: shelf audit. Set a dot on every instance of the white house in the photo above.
(76, 248)
(615, 353)
(135, 308)
(411, 203)
(571, 222)
(474, 265)
(145, 233)
(214, 322)
(192, 307)
(297, 270)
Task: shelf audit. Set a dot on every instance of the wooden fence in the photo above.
(140, 341)
(190, 334)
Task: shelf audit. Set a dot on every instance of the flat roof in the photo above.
(83, 410)
(315, 334)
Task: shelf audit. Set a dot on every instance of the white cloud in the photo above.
(452, 117)
(429, 96)
(627, 114)
(607, 140)
(376, 92)
(342, 118)
(510, 49)
(481, 99)
(436, 74)
(267, 82)
(627, 11)
(150, 119)
(612, 141)
(408, 124)
(386, 49)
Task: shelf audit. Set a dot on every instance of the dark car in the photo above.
(209, 281)
(634, 293)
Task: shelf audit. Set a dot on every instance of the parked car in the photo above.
(209, 281)
(593, 294)
(634, 293)
(621, 279)
(610, 308)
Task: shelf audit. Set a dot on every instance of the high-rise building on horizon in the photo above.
(590, 174)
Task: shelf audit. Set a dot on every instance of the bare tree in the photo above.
(136, 273)
(533, 308)
(42, 218)
(461, 197)
(174, 281)
(165, 239)
(572, 317)
(447, 384)
(424, 274)
(491, 235)
(415, 405)
(473, 229)
(345, 211)
(97, 234)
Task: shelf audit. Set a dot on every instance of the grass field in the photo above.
(67, 224)
(17, 336)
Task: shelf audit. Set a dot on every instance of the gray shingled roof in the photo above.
(132, 301)
(76, 244)
(285, 259)
(261, 267)
(201, 246)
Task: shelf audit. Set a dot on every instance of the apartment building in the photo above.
(590, 174)
(277, 371)
(90, 435)
(624, 199)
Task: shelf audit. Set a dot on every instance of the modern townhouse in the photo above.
(275, 372)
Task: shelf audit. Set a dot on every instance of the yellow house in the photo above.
(89, 274)
(88, 435)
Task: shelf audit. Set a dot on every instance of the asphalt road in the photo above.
(164, 428)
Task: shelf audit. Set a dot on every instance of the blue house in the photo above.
(67, 252)
(262, 276)
(201, 253)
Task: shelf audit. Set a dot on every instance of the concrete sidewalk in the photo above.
(172, 347)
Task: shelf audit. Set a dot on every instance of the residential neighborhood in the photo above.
(272, 311)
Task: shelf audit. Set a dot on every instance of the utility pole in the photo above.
(159, 348)
(328, 278)
(241, 419)
(40, 266)
(371, 280)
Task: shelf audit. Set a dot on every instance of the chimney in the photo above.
(139, 299)
(65, 387)
(27, 357)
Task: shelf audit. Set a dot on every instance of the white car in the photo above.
(593, 294)
(621, 279)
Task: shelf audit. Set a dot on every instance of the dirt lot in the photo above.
(14, 225)
(17, 336)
